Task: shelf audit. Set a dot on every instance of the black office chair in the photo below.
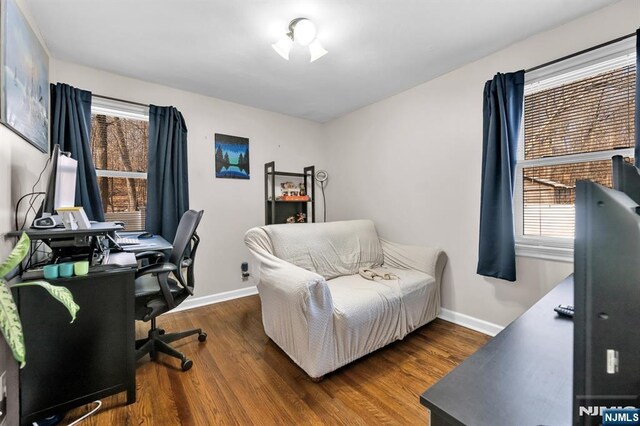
(156, 293)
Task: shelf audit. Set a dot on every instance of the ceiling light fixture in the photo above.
(303, 32)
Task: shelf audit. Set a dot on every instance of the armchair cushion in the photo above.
(382, 312)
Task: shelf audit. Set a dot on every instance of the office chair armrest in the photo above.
(151, 256)
(156, 268)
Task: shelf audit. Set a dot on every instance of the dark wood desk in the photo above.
(71, 364)
(523, 376)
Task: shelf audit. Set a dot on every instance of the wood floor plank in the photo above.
(241, 377)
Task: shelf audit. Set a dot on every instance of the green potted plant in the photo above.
(10, 324)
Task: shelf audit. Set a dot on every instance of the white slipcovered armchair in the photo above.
(317, 307)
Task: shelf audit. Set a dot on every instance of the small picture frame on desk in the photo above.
(74, 218)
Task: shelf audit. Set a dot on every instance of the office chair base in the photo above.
(158, 342)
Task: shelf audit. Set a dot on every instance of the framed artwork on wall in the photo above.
(24, 78)
(232, 157)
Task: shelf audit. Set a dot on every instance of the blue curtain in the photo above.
(637, 152)
(502, 114)
(167, 175)
(71, 129)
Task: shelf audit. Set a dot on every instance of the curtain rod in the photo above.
(555, 61)
(121, 100)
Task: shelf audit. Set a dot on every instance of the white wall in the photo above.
(20, 165)
(231, 206)
(412, 163)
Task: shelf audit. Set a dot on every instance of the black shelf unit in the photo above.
(277, 211)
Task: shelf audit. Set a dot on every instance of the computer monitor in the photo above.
(626, 178)
(607, 302)
(60, 190)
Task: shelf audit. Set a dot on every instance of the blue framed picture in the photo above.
(232, 157)
(24, 78)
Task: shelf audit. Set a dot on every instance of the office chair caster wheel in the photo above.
(186, 364)
(202, 337)
(161, 331)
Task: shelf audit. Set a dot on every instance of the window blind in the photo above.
(571, 125)
(588, 115)
(113, 108)
(549, 194)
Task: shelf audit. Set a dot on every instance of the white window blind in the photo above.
(574, 122)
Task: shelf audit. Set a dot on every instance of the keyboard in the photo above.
(125, 241)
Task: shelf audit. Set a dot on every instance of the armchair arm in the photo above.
(429, 260)
(297, 309)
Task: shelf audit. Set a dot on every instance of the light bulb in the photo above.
(304, 32)
(316, 50)
(283, 47)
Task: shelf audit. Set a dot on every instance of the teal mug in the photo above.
(51, 272)
(66, 269)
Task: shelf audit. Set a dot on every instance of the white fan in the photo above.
(322, 176)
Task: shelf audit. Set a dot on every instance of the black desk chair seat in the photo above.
(157, 293)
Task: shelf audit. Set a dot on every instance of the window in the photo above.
(119, 145)
(577, 115)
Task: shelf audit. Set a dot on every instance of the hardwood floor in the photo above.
(241, 377)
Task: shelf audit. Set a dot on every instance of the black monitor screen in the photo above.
(607, 302)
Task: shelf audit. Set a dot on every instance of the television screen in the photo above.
(607, 301)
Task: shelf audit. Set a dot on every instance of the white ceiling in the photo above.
(222, 48)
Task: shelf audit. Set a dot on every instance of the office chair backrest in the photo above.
(182, 247)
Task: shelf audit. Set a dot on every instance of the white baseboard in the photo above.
(470, 322)
(196, 302)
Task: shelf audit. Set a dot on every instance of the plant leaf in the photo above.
(10, 324)
(60, 293)
(17, 254)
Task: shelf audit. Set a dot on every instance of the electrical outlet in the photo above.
(245, 270)
(3, 398)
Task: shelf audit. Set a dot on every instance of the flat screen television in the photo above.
(607, 302)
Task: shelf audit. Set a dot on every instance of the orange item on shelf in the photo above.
(294, 198)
